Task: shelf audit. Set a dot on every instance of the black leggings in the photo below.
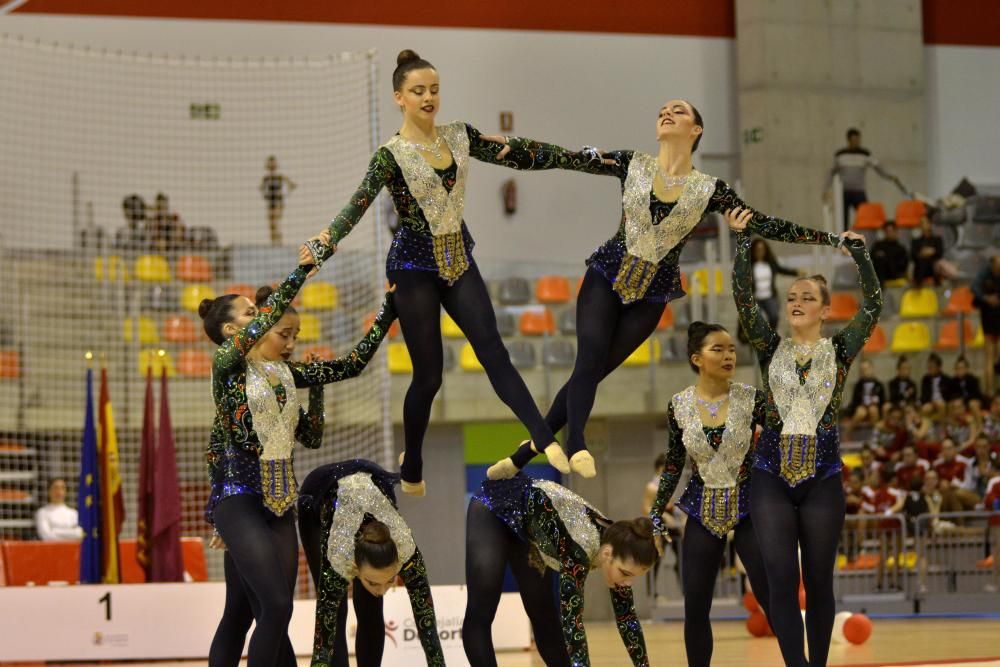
(369, 642)
(419, 298)
(490, 546)
(607, 332)
(264, 553)
(809, 516)
(701, 560)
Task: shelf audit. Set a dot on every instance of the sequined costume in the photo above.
(566, 532)
(720, 505)
(234, 456)
(800, 438)
(337, 500)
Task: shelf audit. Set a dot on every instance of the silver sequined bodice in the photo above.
(720, 467)
(801, 405)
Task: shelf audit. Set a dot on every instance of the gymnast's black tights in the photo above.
(419, 298)
(490, 546)
(809, 516)
(607, 332)
(701, 559)
(369, 642)
(261, 567)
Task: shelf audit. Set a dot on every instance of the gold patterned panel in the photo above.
(720, 511)
(798, 457)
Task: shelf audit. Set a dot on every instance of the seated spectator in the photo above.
(962, 427)
(57, 520)
(890, 258)
(954, 473)
(165, 229)
(927, 253)
(880, 499)
(910, 467)
(935, 387)
(890, 435)
(869, 464)
(854, 497)
(965, 385)
(924, 433)
(991, 424)
(133, 235)
(981, 469)
(902, 388)
(868, 397)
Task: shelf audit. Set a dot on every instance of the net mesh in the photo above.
(133, 185)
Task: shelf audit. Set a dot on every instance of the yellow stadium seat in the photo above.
(919, 302)
(115, 270)
(152, 269)
(700, 279)
(645, 354)
(449, 329)
(151, 358)
(309, 329)
(148, 334)
(468, 360)
(399, 359)
(911, 337)
(319, 295)
(193, 295)
(980, 338)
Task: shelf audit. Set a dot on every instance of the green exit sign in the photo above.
(753, 135)
(207, 111)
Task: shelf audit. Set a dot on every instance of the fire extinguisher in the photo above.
(509, 191)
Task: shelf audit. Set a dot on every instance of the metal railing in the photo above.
(957, 553)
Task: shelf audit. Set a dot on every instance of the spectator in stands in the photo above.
(902, 388)
(133, 235)
(854, 498)
(962, 426)
(964, 385)
(882, 495)
(765, 267)
(672, 520)
(890, 258)
(922, 432)
(165, 229)
(851, 164)
(956, 479)
(983, 463)
(910, 467)
(927, 253)
(868, 397)
(274, 187)
(935, 387)
(869, 465)
(57, 520)
(991, 424)
(991, 503)
(890, 435)
(986, 297)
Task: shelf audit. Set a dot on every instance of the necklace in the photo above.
(434, 149)
(712, 407)
(671, 181)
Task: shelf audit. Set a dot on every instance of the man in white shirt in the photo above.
(57, 520)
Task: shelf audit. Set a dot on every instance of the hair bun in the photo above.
(406, 56)
(262, 294)
(204, 307)
(375, 532)
(642, 527)
(818, 278)
(695, 326)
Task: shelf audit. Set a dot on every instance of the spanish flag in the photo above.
(112, 505)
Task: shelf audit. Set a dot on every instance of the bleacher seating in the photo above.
(522, 354)
(645, 354)
(558, 353)
(309, 328)
(194, 269)
(959, 301)
(877, 342)
(552, 289)
(567, 321)
(666, 319)
(514, 292)
(193, 295)
(918, 303)
(158, 361)
(152, 269)
(179, 329)
(537, 323)
(194, 363)
(911, 337)
(909, 213)
(468, 360)
(948, 335)
(148, 332)
(319, 295)
(869, 216)
(449, 329)
(399, 359)
(843, 306)
(10, 364)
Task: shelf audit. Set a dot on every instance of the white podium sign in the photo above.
(162, 621)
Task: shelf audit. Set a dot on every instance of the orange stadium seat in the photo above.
(10, 364)
(909, 213)
(249, 291)
(877, 342)
(552, 289)
(393, 328)
(948, 335)
(959, 301)
(537, 323)
(194, 363)
(194, 269)
(843, 306)
(666, 319)
(321, 352)
(181, 329)
(870, 215)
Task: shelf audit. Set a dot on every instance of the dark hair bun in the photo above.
(204, 307)
(375, 532)
(695, 326)
(406, 56)
(262, 294)
(642, 527)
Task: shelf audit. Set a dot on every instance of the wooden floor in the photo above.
(916, 642)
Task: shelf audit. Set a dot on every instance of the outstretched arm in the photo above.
(309, 430)
(628, 625)
(776, 229)
(414, 575)
(380, 170)
(671, 475)
(852, 338)
(350, 365)
(754, 323)
(523, 153)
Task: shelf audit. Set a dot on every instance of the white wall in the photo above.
(566, 88)
(963, 103)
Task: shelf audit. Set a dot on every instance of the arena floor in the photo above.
(966, 642)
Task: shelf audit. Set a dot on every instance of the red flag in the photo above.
(147, 476)
(112, 504)
(166, 561)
